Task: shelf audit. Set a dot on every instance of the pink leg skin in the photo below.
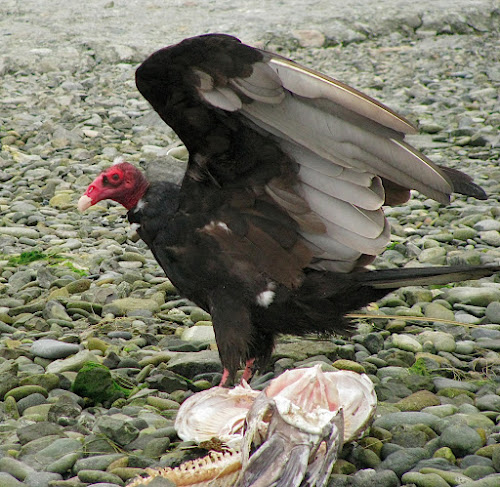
(225, 375)
(247, 373)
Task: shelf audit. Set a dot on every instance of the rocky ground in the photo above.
(77, 292)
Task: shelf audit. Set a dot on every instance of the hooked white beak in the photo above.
(84, 202)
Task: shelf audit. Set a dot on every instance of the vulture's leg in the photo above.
(233, 331)
(248, 372)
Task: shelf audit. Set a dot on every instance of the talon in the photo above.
(248, 372)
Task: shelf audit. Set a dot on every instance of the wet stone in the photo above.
(7, 480)
(118, 429)
(30, 401)
(15, 467)
(424, 480)
(462, 440)
(53, 349)
(41, 479)
(403, 460)
(488, 402)
(189, 365)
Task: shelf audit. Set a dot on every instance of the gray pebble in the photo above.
(15, 467)
(30, 401)
(7, 480)
(41, 479)
(403, 460)
(489, 402)
(389, 421)
(487, 225)
(462, 440)
(53, 349)
(99, 462)
(118, 429)
(493, 312)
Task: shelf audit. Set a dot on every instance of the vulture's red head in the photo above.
(122, 182)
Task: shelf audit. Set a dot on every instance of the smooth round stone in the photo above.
(344, 364)
(467, 409)
(489, 402)
(492, 480)
(442, 342)
(476, 296)
(462, 440)
(467, 318)
(392, 372)
(63, 464)
(453, 478)
(464, 347)
(443, 382)
(418, 401)
(73, 363)
(199, 334)
(98, 462)
(15, 467)
(53, 349)
(487, 225)
(126, 335)
(389, 421)
(403, 460)
(484, 332)
(56, 449)
(23, 391)
(472, 420)
(156, 447)
(409, 436)
(407, 343)
(194, 363)
(97, 476)
(118, 428)
(7, 480)
(161, 403)
(365, 458)
(464, 233)
(470, 460)
(493, 312)
(30, 401)
(38, 413)
(198, 314)
(368, 478)
(433, 255)
(436, 310)
(122, 307)
(441, 411)
(491, 237)
(41, 479)
(424, 479)
(477, 472)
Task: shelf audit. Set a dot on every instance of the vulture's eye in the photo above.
(115, 177)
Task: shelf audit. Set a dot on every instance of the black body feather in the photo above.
(281, 204)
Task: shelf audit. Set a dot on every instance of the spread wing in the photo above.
(304, 162)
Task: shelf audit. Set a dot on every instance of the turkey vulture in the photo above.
(281, 204)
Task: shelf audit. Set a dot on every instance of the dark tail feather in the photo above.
(422, 276)
(323, 300)
(463, 184)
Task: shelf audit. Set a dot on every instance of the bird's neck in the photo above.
(132, 198)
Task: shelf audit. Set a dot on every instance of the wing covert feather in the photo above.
(322, 153)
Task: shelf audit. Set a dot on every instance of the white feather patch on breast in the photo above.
(140, 204)
(265, 298)
(213, 225)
